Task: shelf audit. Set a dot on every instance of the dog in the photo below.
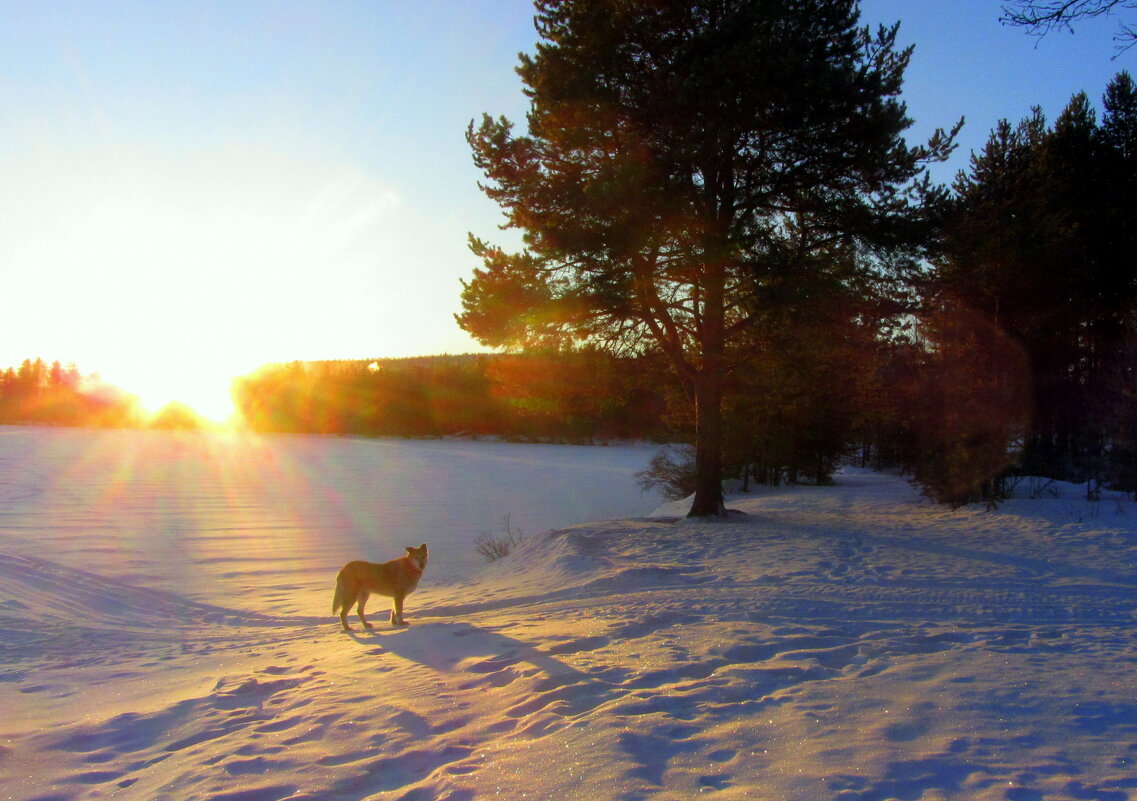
(395, 579)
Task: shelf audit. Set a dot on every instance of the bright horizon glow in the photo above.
(204, 386)
(208, 396)
(191, 269)
(192, 190)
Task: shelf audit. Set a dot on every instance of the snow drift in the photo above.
(848, 642)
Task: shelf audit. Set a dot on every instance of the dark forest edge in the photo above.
(571, 397)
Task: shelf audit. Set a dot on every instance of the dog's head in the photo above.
(419, 555)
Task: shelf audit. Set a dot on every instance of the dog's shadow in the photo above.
(446, 646)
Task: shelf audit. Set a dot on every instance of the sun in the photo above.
(209, 397)
(206, 389)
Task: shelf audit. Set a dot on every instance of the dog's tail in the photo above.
(340, 601)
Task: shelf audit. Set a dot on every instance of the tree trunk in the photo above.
(709, 500)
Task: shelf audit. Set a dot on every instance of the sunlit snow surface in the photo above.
(166, 631)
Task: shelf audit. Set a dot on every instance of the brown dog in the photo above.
(395, 579)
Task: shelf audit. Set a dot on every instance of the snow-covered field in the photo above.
(165, 631)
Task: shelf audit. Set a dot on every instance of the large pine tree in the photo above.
(686, 161)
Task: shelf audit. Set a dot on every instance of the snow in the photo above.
(165, 631)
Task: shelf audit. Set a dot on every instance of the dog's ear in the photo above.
(410, 549)
(422, 547)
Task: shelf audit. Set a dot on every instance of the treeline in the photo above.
(36, 392)
(1012, 353)
(578, 396)
(1031, 314)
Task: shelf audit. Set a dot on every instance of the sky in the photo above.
(189, 190)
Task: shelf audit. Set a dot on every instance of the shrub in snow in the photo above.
(671, 471)
(492, 547)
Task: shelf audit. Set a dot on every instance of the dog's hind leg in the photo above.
(359, 610)
(341, 603)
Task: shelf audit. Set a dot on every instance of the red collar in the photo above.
(411, 564)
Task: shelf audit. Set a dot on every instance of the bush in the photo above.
(493, 547)
(671, 471)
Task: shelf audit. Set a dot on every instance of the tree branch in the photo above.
(1040, 17)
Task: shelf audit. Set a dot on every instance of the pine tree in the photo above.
(1118, 137)
(684, 164)
(1042, 243)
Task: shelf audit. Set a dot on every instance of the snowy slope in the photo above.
(849, 642)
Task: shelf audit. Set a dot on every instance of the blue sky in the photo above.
(192, 189)
(966, 63)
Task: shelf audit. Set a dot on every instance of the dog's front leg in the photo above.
(397, 611)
